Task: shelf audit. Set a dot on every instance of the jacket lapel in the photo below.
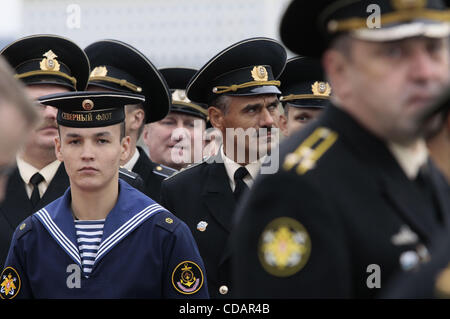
(16, 206)
(402, 194)
(56, 188)
(395, 186)
(143, 165)
(218, 196)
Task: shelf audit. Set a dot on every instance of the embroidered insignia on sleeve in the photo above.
(187, 278)
(10, 283)
(309, 152)
(284, 247)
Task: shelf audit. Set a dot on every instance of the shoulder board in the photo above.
(130, 174)
(24, 227)
(167, 221)
(163, 170)
(188, 167)
(305, 156)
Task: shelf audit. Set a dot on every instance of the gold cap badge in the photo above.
(321, 88)
(99, 71)
(49, 63)
(259, 73)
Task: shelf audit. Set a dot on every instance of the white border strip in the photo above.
(127, 228)
(58, 235)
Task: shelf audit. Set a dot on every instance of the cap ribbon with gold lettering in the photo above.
(90, 109)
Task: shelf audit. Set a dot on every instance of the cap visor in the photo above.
(266, 89)
(403, 31)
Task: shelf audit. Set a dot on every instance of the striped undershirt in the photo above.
(89, 234)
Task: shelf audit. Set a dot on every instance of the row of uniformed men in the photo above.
(313, 232)
(49, 64)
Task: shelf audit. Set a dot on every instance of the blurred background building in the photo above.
(170, 32)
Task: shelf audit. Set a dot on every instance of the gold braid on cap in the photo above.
(122, 82)
(235, 87)
(191, 105)
(291, 97)
(389, 18)
(41, 72)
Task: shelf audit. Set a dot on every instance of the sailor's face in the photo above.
(91, 156)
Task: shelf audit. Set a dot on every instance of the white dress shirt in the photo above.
(27, 170)
(231, 167)
(133, 160)
(410, 158)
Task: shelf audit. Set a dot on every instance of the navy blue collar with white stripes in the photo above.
(131, 210)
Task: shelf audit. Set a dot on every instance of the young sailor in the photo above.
(102, 238)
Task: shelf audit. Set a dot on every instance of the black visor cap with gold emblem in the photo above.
(178, 79)
(249, 67)
(303, 83)
(120, 67)
(48, 59)
(326, 19)
(89, 108)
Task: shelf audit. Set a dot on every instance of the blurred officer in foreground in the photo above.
(102, 238)
(433, 279)
(119, 67)
(177, 140)
(305, 93)
(46, 64)
(17, 118)
(357, 198)
(240, 87)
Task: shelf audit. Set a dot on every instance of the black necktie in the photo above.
(35, 180)
(241, 187)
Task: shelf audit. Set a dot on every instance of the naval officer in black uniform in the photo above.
(240, 87)
(357, 198)
(177, 140)
(305, 93)
(119, 67)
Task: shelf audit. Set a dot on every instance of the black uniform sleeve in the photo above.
(288, 242)
(14, 279)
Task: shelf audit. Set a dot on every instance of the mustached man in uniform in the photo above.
(240, 87)
(102, 238)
